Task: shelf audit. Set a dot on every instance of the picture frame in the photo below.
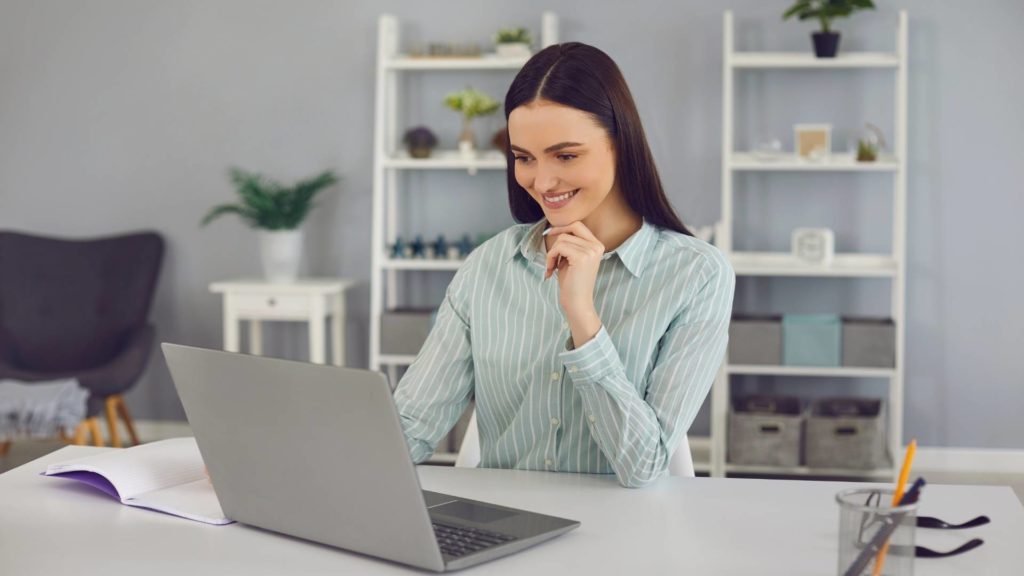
(812, 141)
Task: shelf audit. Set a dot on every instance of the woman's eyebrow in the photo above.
(549, 149)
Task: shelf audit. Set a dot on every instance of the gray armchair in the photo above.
(79, 308)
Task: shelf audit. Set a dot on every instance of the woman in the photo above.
(589, 335)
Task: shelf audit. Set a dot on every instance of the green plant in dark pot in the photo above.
(277, 212)
(826, 41)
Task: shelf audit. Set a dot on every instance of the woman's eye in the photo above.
(522, 159)
(566, 157)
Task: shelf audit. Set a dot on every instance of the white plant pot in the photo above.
(281, 251)
(513, 50)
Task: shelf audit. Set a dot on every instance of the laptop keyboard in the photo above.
(456, 541)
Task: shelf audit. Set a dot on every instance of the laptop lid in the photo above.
(307, 450)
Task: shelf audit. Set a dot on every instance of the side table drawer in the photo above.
(265, 306)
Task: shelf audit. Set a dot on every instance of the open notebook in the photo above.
(167, 476)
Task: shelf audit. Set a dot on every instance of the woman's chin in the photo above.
(560, 217)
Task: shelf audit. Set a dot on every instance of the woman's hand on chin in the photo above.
(574, 258)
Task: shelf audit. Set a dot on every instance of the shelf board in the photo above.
(809, 60)
(885, 473)
(747, 161)
(785, 264)
(482, 62)
(447, 160)
(420, 264)
(397, 359)
(820, 371)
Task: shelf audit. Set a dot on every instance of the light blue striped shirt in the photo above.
(619, 403)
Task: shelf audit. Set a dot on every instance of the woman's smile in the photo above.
(555, 200)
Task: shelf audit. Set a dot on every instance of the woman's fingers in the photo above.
(577, 228)
(568, 251)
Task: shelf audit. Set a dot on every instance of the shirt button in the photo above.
(591, 418)
(572, 368)
(555, 375)
(565, 325)
(547, 461)
(554, 421)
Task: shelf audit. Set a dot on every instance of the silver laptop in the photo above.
(318, 452)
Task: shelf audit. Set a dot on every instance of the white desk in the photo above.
(309, 300)
(694, 526)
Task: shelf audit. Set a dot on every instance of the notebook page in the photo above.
(193, 500)
(142, 468)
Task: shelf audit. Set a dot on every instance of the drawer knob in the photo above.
(271, 302)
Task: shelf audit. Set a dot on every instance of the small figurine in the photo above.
(418, 248)
(465, 246)
(398, 248)
(440, 247)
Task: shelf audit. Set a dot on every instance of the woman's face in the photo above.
(563, 158)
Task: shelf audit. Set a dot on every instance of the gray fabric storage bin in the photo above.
(403, 330)
(869, 342)
(755, 340)
(846, 433)
(765, 431)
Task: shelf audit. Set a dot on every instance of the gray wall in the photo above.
(117, 115)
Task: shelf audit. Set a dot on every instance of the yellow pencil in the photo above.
(901, 485)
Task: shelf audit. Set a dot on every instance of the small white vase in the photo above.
(281, 251)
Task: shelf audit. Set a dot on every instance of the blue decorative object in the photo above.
(398, 248)
(440, 247)
(465, 246)
(418, 247)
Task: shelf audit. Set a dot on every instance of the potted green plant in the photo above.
(419, 141)
(512, 43)
(277, 212)
(826, 41)
(870, 144)
(471, 104)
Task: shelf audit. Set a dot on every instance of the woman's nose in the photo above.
(545, 180)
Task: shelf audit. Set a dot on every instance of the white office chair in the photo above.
(681, 463)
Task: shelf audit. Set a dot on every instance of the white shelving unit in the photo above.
(891, 266)
(390, 161)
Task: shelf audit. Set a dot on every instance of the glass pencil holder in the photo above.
(868, 524)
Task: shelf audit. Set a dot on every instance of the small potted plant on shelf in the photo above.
(870, 144)
(512, 43)
(826, 41)
(277, 211)
(419, 141)
(470, 103)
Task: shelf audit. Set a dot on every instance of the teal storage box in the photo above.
(812, 340)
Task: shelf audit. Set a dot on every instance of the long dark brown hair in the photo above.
(585, 78)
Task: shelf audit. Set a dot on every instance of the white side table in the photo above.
(311, 300)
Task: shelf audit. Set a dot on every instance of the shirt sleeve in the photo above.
(438, 385)
(638, 434)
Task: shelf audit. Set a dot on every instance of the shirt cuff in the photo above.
(593, 361)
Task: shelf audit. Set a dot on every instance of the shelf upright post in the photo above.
(720, 389)
(387, 48)
(899, 243)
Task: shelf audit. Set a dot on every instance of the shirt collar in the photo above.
(633, 253)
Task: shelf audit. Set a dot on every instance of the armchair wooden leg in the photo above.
(94, 429)
(4, 446)
(110, 407)
(79, 438)
(122, 410)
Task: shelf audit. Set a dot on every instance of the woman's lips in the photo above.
(558, 200)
